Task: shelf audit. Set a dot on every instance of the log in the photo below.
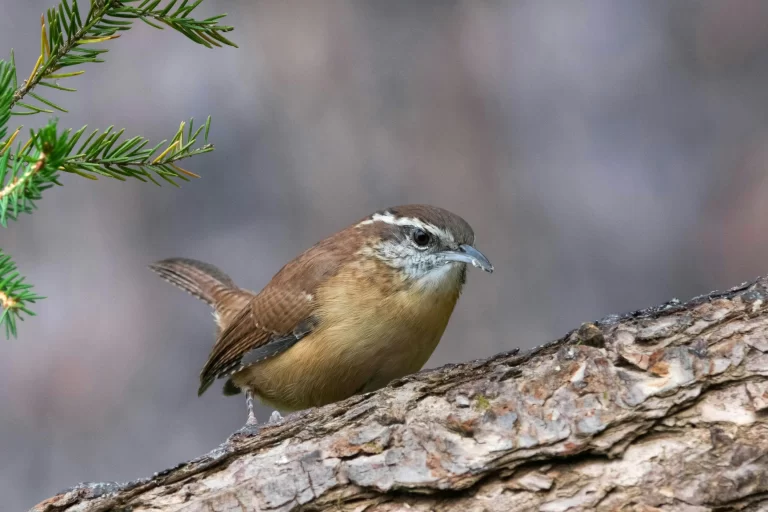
(660, 409)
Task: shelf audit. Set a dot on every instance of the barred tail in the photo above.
(202, 280)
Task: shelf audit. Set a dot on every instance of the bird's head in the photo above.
(429, 246)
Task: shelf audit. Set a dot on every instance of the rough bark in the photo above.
(661, 409)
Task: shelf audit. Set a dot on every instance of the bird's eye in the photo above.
(421, 237)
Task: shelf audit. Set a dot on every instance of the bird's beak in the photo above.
(468, 254)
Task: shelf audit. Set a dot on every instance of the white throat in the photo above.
(443, 278)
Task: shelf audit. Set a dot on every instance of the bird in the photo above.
(359, 309)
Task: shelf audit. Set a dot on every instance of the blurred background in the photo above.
(609, 154)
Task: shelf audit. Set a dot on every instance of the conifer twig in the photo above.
(35, 165)
(15, 295)
(63, 38)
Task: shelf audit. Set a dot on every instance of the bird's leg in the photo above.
(251, 416)
(251, 427)
(275, 417)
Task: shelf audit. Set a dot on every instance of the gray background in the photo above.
(609, 154)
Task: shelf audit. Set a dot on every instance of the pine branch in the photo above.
(24, 176)
(206, 32)
(100, 155)
(33, 170)
(35, 166)
(65, 34)
(7, 75)
(15, 295)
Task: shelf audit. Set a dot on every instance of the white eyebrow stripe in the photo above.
(388, 218)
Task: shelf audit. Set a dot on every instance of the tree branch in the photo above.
(665, 408)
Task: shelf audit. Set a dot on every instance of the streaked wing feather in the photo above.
(269, 324)
(234, 301)
(274, 347)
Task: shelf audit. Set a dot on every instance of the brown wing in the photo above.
(268, 325)
(279, 316)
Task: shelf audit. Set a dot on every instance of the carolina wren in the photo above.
(357, 310)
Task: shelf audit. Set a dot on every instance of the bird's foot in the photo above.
(247, 430)
(251, 427)
(275, 417)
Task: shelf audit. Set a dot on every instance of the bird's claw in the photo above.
(247, 430)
